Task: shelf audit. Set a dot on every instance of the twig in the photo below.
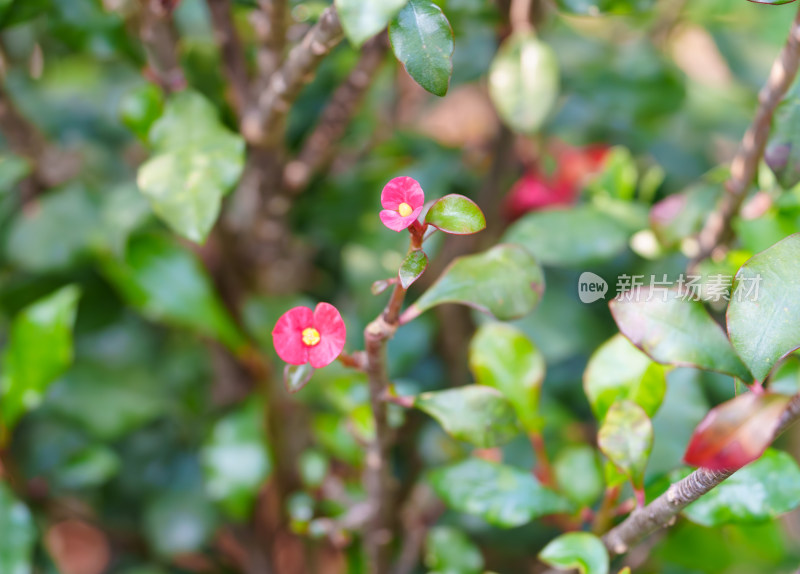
(262, 125)
(519, 15)
(717, 229)
(160, 40)
(319, 148)
(663, 510)
(234, 62)
(269, 22)
(422, 512)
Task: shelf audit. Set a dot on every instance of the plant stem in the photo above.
(717, 229)
(543, 469)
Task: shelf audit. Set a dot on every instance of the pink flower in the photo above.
(302, 335)
(402, 200)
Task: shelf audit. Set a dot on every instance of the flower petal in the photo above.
(396, 222)
(287, 337)
(333, 334)
(402, 190)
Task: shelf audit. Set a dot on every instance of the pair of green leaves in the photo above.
(421, 36)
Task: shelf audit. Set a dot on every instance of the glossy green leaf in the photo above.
(577, 550)
(502, 495)
(457, 215)
(179, 522)
(413, 267)
(422, 40)
(197, 161)
(626, 438)
(19, 534)
(759, 492)
(476, 414)
(295, 377)
(236, 460)
(362, 19)
(140, 108)
(599, 7)
(450, 551)
(523, 82)
(579, 474)
(675, 330)
(504, 281)
(764, 325)
(39, 350)
(618, 370)
(501, 356)
(168, 283)
(569, 237)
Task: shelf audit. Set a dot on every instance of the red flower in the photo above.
(402, 200)
(531, 193)
(301, 335)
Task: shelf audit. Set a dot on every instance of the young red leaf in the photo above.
(736, 432)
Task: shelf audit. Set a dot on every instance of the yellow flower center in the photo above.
(310, 337)
(404, 210)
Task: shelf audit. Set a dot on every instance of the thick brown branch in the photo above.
(744, 167)
(234, 62)
(664, 509)
(318, 150)
(269, 23)
(160, 40)
(262, 126)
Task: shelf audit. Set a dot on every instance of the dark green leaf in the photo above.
(236, 460)
(362, 19)
(168, 283)
(413, 267)
(502, 357)
(39, 349)
(423, 41)
(569, 237)
(476, 414)
(450, 551)
(13, 12)
(19, 534)
(674, 330)
(523, 82)
(197, 161)
(764, 325)
(457, 215)
(618, 370)
(502, 495)
(579, 474)
(760, 491)
(504, 281)
(580, 550)
(626, 438)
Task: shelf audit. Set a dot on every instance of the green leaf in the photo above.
(450, 551)
(295, 377)
(579, 474)
(422, 40)
(168, 283)
(197, 161)
(765, 326)
(626, 438)
(598, 7)
(476, 414)
(580, 550)
(89, 468)
(13, 12)
(457, 215)
(19, 534)
(39, 349)
(413, 267)
(362, 19)
(502, 357)
(618, 370)
(619, 176)
(179, 522)
(569, 237)
(523, 82)
(502, 495)
(674, 330)
(504, 281)
(236, 460)
(759, 492)
(140, 108)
